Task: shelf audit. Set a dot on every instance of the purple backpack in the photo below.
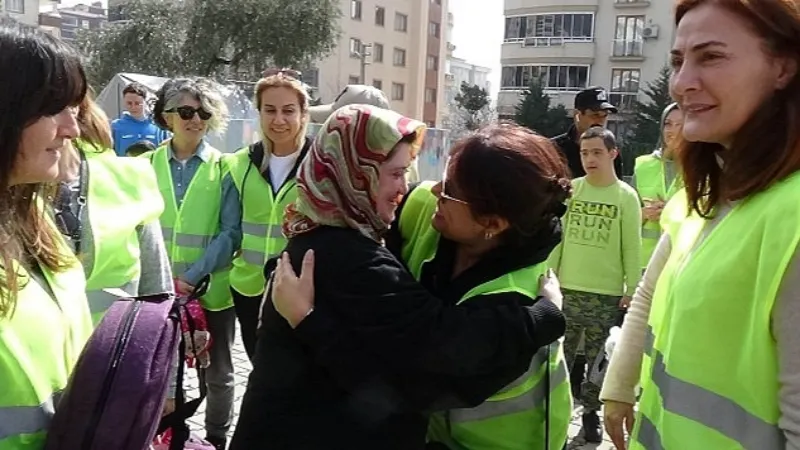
(117, 391)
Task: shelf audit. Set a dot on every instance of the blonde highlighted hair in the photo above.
(94, 125)
(281, 79)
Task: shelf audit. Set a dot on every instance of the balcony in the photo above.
(625, 4)
(548, 47)
(627, 50)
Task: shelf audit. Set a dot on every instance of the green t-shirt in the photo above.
(602, 242)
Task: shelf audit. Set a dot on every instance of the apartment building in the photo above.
(398, 46)
(23, 11)
(68, 20)
(570, 45)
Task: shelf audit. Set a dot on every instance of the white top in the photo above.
(279, 168)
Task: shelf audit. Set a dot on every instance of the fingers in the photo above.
(307, 271)
(614, 430)
(285, 265)
(630, 422)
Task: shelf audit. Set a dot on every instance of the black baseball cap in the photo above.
(594, 98)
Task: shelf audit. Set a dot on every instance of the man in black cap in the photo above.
(591, 109)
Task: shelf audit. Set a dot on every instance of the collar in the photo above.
(203, 152)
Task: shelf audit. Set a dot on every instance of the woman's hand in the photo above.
(550, 288)
(617, 415)
(182, 287)
(293, 296)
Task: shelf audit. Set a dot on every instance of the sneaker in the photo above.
(219, 443)
(591, 427)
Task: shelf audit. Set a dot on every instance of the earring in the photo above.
(488, 235)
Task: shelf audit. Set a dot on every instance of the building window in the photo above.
(85, 24)
(550, 29)
(551, 78)
(355, 9)
(624, 88)
(380, 16)
(433, 62)
(430, 95)
(377, 84)
(71, 21)
(15, 6)
(399, 57)
(628, 39)
(433, 29)
(400, 22)
(377, 53)
(398, 91)
(353, 79)
(355, 47)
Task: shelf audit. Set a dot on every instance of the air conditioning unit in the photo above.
(650, 31)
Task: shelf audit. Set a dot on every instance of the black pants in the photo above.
(247, 311)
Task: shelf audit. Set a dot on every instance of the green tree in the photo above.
(534, 112)
(212, 38)
(645, 129)
(472, 106)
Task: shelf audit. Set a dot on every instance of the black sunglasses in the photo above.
(187, 112)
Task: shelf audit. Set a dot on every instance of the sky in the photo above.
(477, 32)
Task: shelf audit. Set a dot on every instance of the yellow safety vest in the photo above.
(711, 379)
(189, 229)
(39, 346)
(262, 223)
(122, 195)
(514, 418)
(650, 176)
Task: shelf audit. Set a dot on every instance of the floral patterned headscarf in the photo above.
(338, 180)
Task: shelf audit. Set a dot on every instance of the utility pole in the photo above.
(364, 52)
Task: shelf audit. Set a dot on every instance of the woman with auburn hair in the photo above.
(713, 323)
(44, 316)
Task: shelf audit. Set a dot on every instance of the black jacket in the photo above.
(377, 352)
(571, 149)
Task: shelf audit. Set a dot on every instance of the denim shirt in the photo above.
(219, 253)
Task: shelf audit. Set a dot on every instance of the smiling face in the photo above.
(672, 130)
(281, 115)
(721, 73)
(392, 184)
(189, 128)
(134, 104)
(41, 146)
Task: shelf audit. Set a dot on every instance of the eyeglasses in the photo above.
(187, 112)
(445, 196)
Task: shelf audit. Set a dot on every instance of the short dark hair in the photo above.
(609, 140)
(135, 88)
(139, 147)
(510, 171)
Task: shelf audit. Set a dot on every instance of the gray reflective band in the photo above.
(192, 240)
(648, 233)
(712, 411)
(529, 400)
(254, 257)
(100, 300)
(17, 420)
(167, 234)
(648, 435)
(262, 230)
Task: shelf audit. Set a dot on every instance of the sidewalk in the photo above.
(242, 370)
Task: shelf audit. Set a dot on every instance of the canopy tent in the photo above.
(242, 128)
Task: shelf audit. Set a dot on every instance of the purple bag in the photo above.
(117, 391)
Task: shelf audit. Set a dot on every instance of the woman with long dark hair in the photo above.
(44, 315)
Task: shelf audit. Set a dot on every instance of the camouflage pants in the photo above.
(591, 315)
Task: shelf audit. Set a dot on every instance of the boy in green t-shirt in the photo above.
(598, 260)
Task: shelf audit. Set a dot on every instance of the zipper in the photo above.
(119, 348)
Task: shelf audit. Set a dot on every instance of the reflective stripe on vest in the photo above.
(101, 299)
(711, 410)
(533, 398)
(16, 420)
(650, 173)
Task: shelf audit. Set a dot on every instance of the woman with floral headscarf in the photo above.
(378, 349)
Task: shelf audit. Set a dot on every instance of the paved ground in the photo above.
(243, 367)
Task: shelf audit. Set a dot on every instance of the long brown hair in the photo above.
(93, 123)
(47, 78)
(765, 150)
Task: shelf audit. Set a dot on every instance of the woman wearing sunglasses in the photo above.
(44, 316)
(200, 224)
(359, 369)
(108, 210)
